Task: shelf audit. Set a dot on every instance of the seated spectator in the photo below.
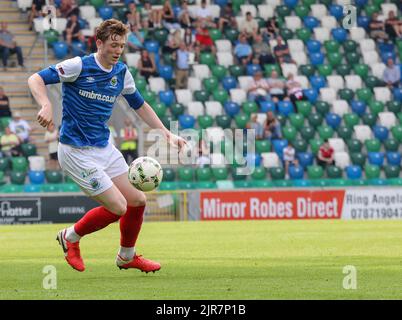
(377, 28)
(276, 87)
(325, 156)
(256, 126)
(153, 17)
(173, 42)
(282, 53)
(146, 65)
(272, 127)
(184, 16)
(73, 30)
(294, 90)
(52, 138)
(204, 15)
(128, 146)
(182, 71)
(227, 18)
(10, 144)
(168, 19)
(243, 50)
(4, 104)
(393, 26)
(203, 40)
(270, 30)
(392, 74)
(249, 27)
(259, 88)
(133, 16)
(20, 127)
(9, 46)
(68, 8)
(36, 11)
(289, 157)
(262, 51)
(135, 39)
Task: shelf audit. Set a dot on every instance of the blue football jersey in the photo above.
(89, 93)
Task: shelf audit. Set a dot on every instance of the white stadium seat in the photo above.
(223, 45)
(288, 68)
(387, 119)
(378, 69)
(322, 34)
(87, 12)
(299, 57)
(340, 107)
(295, 45)
(183, 96)
(245, 82)
(225, 59)
(318, 10)
(337, 144)
(244, 8)
(370, 57)
(362, 132)
(382, 94)
(265, 11)
(157, 84)
(213, 108)
(24, 4)
(353, 82)
(367, 45)
(201, 71)
(293, 22)
(60, 25)
(194, 84)
(387, 7)
(270, 159)
(261, 117)
(132, 59)
(328, 94)
(195, 109)
(273, 3)
(342, 159)
(215, 10)
(303, 81)
(329, 22)
(238, 95)
(357, 34)
(336, 82)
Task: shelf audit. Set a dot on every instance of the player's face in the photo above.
(112, 48)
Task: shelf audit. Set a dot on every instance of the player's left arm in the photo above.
(145, 111)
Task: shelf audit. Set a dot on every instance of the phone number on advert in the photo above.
(376, 213)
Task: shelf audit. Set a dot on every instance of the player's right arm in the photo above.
(66, 71)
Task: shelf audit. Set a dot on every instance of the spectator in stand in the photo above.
(271, 29)
(91, 42)
(259, 88)
(135, 40)
(289, 157)
(133, 15)
(392, 74)
(282, 53)
(243, 50)
(203, 41)
(173, 42)
(393, 26)
(294, 90)
(325, 156)
(184, 16)
(272, 127)
(8, 46)
(128, 146)
(20, 127)
(168, 19)
(68, 8)
(204, 15)
(52, 138)
(146, 65)
(10, 144)
(182, 71)
(189, 39)
(36, 11)
(249, 27)
(276, 87)
(152, 16)
(255, 125)
(4, 104)
(262, 51)
(73, 30)
(227, 18)
(377, 28)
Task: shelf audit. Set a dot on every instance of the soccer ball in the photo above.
(145, 173)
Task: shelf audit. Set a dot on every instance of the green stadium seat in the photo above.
(169, 174)
(241, 184)
(325, 132)
(205, 185)
(210, 84)
(204, 174)
(201, 95)
(50, 187)
(134, 71)
(283, 183)
(391, 171)
(4, 122)
(168, 185)
(237, 71)
(307, 70)
(218, 71)
(352, 58)
(303, 108)
(376, 107)
(160, 109)
(161, 35)
(277, 173)
(364, 94)
(261, 184)
(141, 84)
(241, 120)
(370, 9)
(215, 34)
(223, 121)
(259, 173)
(12, 188)
(303, 34)
(315, 119)
(282, 119)
(282, 11)
(325, 70)
(166, 120)
(369, 119)
(372, 171)
(231, 34)
(289, 132)
(346, 94)
(4, 164)
(350, 46)
(358, 158)
(331, 46)
(149, 96)
(315, 172)
(220, 173)
(300, 145)
(334, 172)
(354, 145)
(315, 145)
(69, 187)
(334, 59)
(395, 181)
(262, 146)
(343, 70)
(2, 178)
(286, 33)
(344, 132)
(220, 95)
(205, 121)
(322, 107)
(302, 11)
(361, 70)
(28, 149)
(17, 177)
(307, 132)
(19, 164)
(268, 68)
(185, 174)
(372, 145)
(351, 119)
(391, 144)
(296, 120)
(249, 107)
(394, 106)
(371, 82)
(177, 109)
(54, 176)
(397, 132)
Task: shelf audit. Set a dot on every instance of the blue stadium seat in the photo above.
(380, 132)
(397, 92)
(253, 159)
(376, 158)
(336, 11)
(358, 107)
(296, 172)
(267, 106)
(167, 97)
(60, 49)
(313, 46)
(285, 107)
(278, 146)
(311, 95)
(291, 3)
(387, 55)
(83, 23)
(353, 172)
(333, 120)
(305, 159)
(253, 68)
(317, 82)
(231, 108)
(78, 48)
(316, 58)
(186, 121)
(105, 12)
(361, 3)
(386, 47)
(221, 3)
(36, 177)
(393, 158)
(229, 82)
(339, 34)
(363, 22)
(311, 22)
(152, 46)
(166, 72)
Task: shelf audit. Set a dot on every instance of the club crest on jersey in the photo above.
(113, 81)
(94, 183)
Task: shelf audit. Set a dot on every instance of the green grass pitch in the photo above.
(212, 260)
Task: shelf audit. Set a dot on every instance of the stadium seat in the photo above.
(342, 159)
(337, 144)
(195, 109)
(213, 108)
(225, 59)
(183, 96)
(328, 94)
(393, 158)
(270, 159)
(238, 95)
(382, 94)
(357, 34)
(387, 119)
(157, 84)
(186, 121)
(321, 34)
(293, 22)
(36, 177)
(392, 171)
(201, 71)
(305, 159)
(353, 172)
(353, 82)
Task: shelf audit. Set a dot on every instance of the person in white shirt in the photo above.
(20, 127)
(259, 88)
(204, 14)
(289, 157)
(52, 138)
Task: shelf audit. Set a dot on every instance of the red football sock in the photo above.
(130, 226)
(94, 220)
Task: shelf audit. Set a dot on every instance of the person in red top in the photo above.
(325, 155)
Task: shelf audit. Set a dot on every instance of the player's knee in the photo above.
(139, 201)
(119, 207)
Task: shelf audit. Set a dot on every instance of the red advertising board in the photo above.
(286, 204)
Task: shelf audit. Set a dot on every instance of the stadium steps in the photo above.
(14, 81)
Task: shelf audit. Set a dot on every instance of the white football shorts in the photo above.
(92, 168)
